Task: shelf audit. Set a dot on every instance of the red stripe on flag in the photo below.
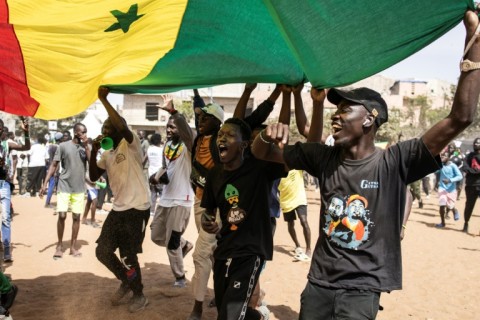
(14, 93)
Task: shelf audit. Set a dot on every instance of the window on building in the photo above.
(151, 111)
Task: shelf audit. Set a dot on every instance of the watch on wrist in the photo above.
(467, 65)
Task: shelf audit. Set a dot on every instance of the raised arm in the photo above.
(243, 101)
(15, 146)
(94, 171)
(197, 103)
(184, 130)
(303, 125)
(286, 110)
(315, 133)
(262, 112)
(117, 121)
(269, 143)
(466, 97)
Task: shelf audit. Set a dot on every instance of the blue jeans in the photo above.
(51, 186)
(5, 194)
(320, 303)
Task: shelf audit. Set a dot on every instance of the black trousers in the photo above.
(233, 282)
(472, 193)
(320, 303)
(124, 230)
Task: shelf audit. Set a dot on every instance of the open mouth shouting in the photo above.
(336, 128)
(222, 151)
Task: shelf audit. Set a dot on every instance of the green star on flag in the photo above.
(124, 19)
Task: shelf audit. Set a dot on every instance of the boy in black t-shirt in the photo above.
(363, 190)
(239, 188)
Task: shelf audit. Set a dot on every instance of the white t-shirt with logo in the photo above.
(178, 192)
(125, 173)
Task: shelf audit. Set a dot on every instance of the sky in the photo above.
(440, 60)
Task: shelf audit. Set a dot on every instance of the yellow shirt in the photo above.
(292, 191)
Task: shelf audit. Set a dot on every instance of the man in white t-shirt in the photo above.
(36, 165)
(173, 212)
(124, 228)
(154, 155)
(22, 171)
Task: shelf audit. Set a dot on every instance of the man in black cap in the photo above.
(361, 257)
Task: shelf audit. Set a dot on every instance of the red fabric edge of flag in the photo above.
(14, 93)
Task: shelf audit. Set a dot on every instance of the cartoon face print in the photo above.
(356, 209)
(335, 209)
(231, 194)
(235, 215)
(348, 222)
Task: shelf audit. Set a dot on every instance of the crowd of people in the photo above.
(237, 175)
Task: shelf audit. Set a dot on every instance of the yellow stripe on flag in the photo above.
(68, 53)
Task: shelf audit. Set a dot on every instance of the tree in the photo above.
(40, 127)
(186, 108)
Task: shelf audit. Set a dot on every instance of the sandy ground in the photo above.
(441, 271)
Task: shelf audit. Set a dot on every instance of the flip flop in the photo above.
(76, 254)
(58, 254)
(302, 257)
(298, 251)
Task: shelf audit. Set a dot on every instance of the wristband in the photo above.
(174, 112)
(404, 226)
(263, 139)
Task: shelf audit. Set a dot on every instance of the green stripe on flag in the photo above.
(222, 42)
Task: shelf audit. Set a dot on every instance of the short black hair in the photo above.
(156, 139)
(244, 127)
(78, 124)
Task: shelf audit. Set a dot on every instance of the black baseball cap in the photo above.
(370, 99)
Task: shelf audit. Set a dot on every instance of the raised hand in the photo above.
(103, 93)
(24, 124)
(318, 94)
(298, 88)
(168, 103)
(276, 133)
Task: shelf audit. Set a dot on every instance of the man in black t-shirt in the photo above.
(358, 253)
(245, 239)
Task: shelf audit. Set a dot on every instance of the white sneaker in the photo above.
(298, 251)
(264, 311)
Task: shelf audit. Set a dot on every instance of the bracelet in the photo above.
(404, 226)
(263, 139)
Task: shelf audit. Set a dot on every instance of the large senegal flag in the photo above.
(55, 53)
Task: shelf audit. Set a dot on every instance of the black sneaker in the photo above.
(8, 298)
(121, 292)
(138, 303)
(465, 228)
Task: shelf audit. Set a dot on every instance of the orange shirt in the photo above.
(204, 157)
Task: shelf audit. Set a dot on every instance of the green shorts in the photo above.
(75, 200)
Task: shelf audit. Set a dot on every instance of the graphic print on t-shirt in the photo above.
(235, 215)
(348, 221)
